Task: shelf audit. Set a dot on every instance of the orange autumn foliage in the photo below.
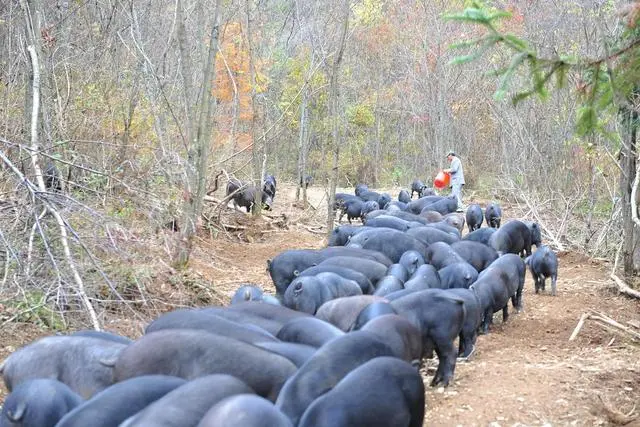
(233, 79)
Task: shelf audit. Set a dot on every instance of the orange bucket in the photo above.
(442, 180)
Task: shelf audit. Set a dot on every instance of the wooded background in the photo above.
(142, 103)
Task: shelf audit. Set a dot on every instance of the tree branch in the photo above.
(38, 172)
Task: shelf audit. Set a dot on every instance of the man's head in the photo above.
(450, 155)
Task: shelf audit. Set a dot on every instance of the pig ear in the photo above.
(16, 416)
(109, 363)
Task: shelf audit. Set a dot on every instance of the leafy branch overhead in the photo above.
(605, 84)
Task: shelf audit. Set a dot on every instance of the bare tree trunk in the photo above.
(123, 160)
(334, 99)
(628, 174)
(301, 143)
(305, 151)
(258, 176)
(199, 137)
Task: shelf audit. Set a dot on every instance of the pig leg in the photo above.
(446, 364)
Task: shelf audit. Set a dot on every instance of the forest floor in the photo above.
(525, 372)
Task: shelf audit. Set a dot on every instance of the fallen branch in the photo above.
(634, 323)
(615, 416)
(230, 227)
(623, 288)
(311, 230)
(576, 331)
(606, 322)
(609, 321)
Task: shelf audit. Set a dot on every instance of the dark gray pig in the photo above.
(38, 403)
(120, 401)
(440, 318)
(373, 270)
(440, 254)
(298, 354)
(309, 331)
(384, 392)
(474, 217)
(429, 235)
(387, 221)
(74, 361)
(348, 273)
(432, 216)
(404, 196)
(392, 243)
(247, 292)
(341, 234)
(202, 320)
(455, 220)
(191, 354)
(372, 311)
(352, 208)
(513, 237)
(493, 215)
(186, 405)
(445, 206)
(387, 285)
(416, 187)
(332, 362)
(472, 320)
(400, 334)
(536, 233)
(417, 206)
(407, 216)
(411, 260)
(481, 235)
(342, 312)
(542, 264)
(425, 277)
(457, 275)
(361, 189)
(399, 271)
(287, 265)
(308, 293)
(479, 255)
(246, 410)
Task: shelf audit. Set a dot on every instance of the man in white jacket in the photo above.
(457, 177)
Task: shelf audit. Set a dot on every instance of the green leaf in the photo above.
(489, 42)
(516, 61)
(606, 96)
(521, 96)
(587, 120)
(470, 14)
(496, 73)
(467, 43)
(518, 43)
(499, 14)
(463, 59)
(561, 76)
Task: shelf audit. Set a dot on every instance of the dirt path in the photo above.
(524, 372)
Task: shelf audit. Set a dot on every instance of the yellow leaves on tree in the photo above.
(233, 83)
